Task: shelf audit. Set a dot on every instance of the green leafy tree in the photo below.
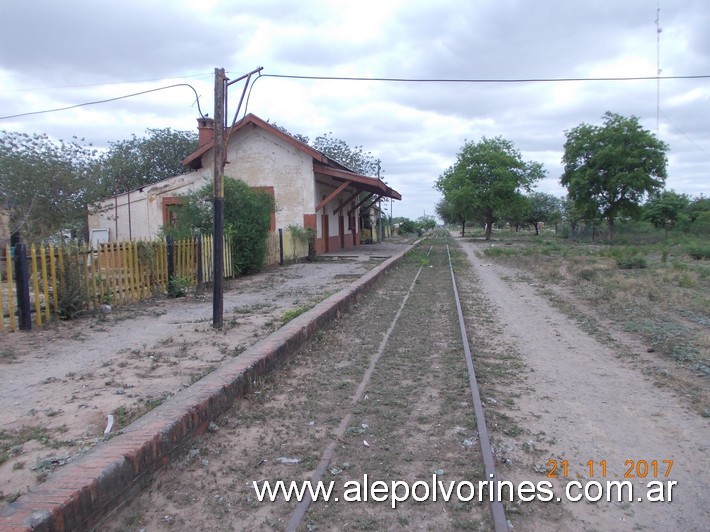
(517, 211)
(665, 210)
(353, 158)
(575, 216)
(610, 168)
(408, 227)
(247, 220)
(140, 161)
(697, 216)
(445, 210)
(487, 176)
(457, 205)
(297, 136)
(543, 208)
(45, 185)
(426, 223)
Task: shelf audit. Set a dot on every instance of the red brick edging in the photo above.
(80, 494)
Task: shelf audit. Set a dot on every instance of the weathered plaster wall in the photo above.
(146, 211)
(262, 160)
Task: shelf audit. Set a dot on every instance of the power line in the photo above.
(337, 78)
(484, 80)
(106, 84)
(197, 99)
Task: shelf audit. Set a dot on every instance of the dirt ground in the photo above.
(582, 398)
(58, 385)
(407, 419)
(553, 392)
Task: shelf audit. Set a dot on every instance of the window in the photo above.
(171, 210)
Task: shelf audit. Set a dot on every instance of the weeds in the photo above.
(631, 263)
(125, 415)
(699, 251)
(656, 290)
(11, 442)
(7, 355)
(293, 313)
(178, 286)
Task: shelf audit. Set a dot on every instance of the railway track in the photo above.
(387, 395)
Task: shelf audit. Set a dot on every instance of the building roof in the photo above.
(322, 164)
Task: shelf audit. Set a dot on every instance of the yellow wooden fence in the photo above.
(115, 273)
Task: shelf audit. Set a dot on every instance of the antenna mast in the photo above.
(658, 67)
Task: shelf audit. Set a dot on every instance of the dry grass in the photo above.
(665, 304)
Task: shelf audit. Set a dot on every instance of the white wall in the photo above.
(146, 210)
(262, 160)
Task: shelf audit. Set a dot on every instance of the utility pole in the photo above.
(219, 161)
(379, 209)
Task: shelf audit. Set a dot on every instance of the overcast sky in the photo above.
(55, 54)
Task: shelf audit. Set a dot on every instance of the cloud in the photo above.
(416, 129)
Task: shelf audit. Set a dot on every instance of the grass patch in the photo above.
(654, 289)
(631, 263)
(501, 252)
(7, 355)
(699, 251)
(125, 415)
(293, 313)
(11, 441)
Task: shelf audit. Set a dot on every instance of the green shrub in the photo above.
(71, 283)
(687, 281)
(631, 263)
(247, 220)
(501, 252)
(293, 313)
(306, 235)
(587, 274)
(699, 251)
(177, 286)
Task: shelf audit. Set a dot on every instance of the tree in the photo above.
(517, 211)
(664, 210)
(426, 223)
(355, 158)
(458, 203)
(247, 220)
(140, 161)
(571, 214)
(408, 227)
(45, 185)
(543, 208)
(610, 168)
(445, 211)
(486, 177)
(698, 214)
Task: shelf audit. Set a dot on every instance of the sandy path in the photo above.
(594, 405)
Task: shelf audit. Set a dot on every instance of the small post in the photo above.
(200, 273)
(22, 282)
(171, 256)
(281, 247)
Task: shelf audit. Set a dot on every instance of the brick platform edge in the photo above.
(80, 494)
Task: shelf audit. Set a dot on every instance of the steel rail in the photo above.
(500, 523)
(300, 511)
